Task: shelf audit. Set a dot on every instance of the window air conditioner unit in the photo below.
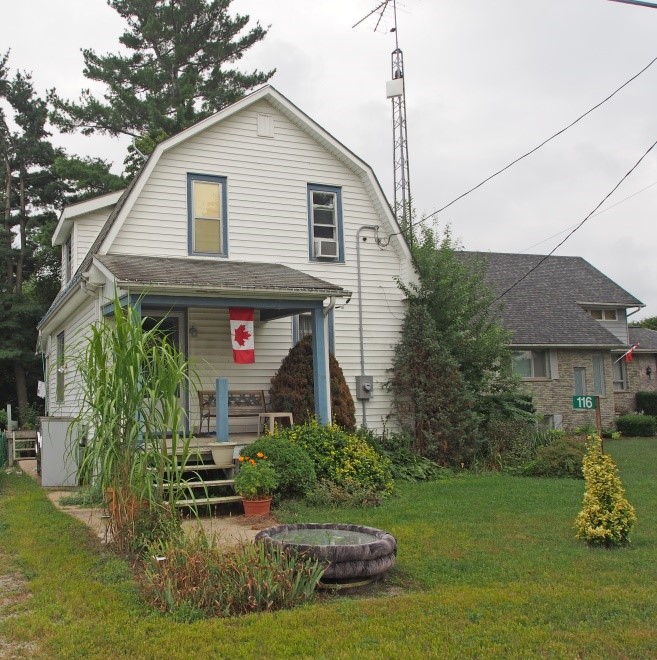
(326, 248)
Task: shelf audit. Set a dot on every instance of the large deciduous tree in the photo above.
(177, 68)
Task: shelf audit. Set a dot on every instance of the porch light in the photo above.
(193, 332)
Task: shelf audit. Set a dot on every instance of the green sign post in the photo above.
(585, 402)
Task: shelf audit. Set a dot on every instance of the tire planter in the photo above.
(372, 554)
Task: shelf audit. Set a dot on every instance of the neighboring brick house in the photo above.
(569, 325)
(641, 371)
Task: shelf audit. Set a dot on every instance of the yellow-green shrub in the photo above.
(607, 517)
(342, 458)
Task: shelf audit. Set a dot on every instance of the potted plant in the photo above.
(255, 482)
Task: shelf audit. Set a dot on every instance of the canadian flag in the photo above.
(629, 355)
(241, 334)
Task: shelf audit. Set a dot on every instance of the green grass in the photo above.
(488, 566)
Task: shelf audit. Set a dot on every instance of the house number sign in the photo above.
(584, 402)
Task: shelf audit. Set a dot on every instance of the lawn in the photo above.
(488, 566)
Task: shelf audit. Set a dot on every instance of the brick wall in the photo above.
(555, 396)
(637, 381)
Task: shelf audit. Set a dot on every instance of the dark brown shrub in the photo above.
(292, 387)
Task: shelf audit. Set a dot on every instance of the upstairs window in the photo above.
(604, 314)
(325, 223)
(208, 224)
(530, 364)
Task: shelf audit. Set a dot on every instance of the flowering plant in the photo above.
(256, 478)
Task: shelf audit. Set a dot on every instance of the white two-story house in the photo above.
(255, 207)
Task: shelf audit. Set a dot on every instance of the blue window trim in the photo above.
(191, 177)
(340, 238)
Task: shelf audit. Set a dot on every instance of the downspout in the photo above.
(360, 314)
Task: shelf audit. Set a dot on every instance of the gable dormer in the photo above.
(78, 228)
(613, 319)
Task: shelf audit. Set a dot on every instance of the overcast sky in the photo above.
(485, 82)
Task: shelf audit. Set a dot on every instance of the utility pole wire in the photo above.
(529, 153)
(605, 198)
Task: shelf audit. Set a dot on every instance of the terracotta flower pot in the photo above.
(257, 507)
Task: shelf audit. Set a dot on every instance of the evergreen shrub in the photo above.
(293, 465)
(646, 402)
(292, 387)
(562, 457)
(606, 518)
(340, 457)
(636, 426)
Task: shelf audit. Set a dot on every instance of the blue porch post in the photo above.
(222, 409)
(321, 367)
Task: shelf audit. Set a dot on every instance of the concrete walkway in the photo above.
(227, 529)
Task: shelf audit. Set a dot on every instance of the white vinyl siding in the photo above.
(267, 192)
(85, 230)
(77, 327)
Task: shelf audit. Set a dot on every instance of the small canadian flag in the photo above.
(241, 334)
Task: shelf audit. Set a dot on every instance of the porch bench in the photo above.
(241, 403)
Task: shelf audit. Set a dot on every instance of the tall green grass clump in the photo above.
(607, 517)
(131, 379)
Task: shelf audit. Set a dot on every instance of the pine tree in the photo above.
(35, 181)
(176, 72)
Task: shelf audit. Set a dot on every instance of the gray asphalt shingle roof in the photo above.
(545, 308)
(646, 338)
(220, 276)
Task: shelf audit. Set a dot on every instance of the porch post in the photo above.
(321, 378)
(222, 409)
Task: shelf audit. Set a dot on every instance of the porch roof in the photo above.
(218, 276)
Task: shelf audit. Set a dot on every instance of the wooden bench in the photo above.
(241, 403)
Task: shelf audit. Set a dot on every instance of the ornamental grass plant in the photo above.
(131, 379)
(199, 578)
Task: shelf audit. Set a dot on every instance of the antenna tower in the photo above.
(396, 91)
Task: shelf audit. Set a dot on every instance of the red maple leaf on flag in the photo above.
(242, 335)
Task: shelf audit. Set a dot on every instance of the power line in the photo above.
(529, 153)
(595, 215)
(605, 198)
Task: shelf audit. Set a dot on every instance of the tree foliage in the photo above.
(430, 396)
(650, 323)
(451, 375)
(35, 181)
(292, 387)
(175, 69)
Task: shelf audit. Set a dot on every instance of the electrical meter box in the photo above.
(364, 385)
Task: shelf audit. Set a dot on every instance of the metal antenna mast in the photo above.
(396, 91)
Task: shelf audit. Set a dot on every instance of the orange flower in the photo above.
(242, 459)
(260, 455)
(252, 461)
